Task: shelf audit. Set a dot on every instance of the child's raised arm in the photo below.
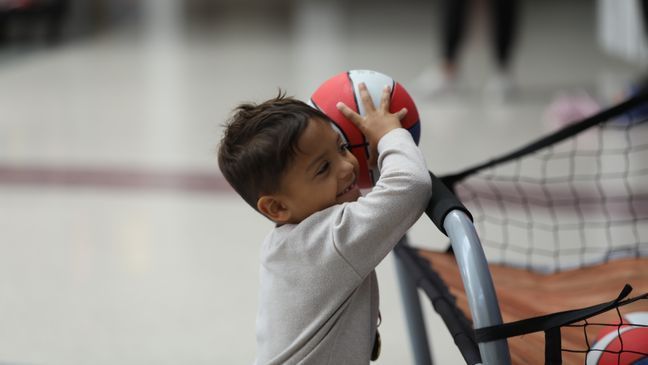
(366, 230)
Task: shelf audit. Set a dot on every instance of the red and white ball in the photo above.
(624, 345)
(344, 87)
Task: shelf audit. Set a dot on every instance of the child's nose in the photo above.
(346, 169)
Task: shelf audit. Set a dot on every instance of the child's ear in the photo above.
(273, 208)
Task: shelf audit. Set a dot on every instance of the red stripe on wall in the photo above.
(114, 178)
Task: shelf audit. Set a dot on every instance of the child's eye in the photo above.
(323, 168)
(344, 147)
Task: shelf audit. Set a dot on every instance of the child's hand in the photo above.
(377, 122)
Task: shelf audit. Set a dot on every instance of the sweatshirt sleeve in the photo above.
(365, 231)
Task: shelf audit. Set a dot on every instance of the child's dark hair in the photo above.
(260, 142)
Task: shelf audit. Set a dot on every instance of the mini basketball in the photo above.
(344, 87)
(624, 345)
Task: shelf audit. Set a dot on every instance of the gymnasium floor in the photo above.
(119, 242)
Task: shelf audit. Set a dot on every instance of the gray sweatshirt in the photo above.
(318, 300)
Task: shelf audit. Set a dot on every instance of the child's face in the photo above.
(323, 174)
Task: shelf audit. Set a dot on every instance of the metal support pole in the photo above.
(413, 313)
(477, 282)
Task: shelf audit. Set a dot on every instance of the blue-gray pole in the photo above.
(413, 313)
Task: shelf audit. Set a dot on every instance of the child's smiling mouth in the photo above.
(349, 188)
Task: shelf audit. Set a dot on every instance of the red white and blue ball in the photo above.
(626, 344)
(344, 87)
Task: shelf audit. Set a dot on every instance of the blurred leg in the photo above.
(453, 31)
(3, 27)
(504, 14)
(56, 20)
(504, 18)
(643, 4)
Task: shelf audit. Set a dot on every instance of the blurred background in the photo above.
(120, 242)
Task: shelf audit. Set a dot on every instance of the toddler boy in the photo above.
(318, 301)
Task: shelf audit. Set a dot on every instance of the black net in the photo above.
(616, 337)
(609, 333)
(575, 202)
(572, 199)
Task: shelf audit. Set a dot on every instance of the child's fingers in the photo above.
(347, 112)
(384, 98)
(365, 97)
(401, 114)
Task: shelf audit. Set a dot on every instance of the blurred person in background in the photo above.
(504, 13)
(27, 19)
